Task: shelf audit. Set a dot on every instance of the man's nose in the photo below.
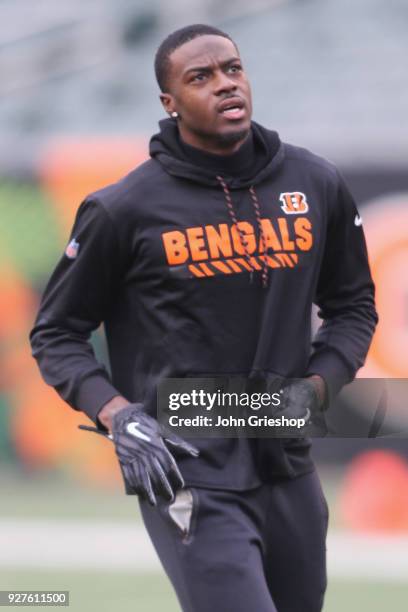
(224, 83)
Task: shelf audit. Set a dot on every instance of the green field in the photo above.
(56, 496)
(104, 592)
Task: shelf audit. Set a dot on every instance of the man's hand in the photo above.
(304, 398)
(299, 399)
(148, 467)
(106, 413)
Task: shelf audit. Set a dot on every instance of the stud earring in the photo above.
(174, 114)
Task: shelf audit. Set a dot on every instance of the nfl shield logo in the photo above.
(72, 249)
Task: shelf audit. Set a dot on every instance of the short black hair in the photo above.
(173, 42)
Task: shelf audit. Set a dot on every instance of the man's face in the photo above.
(209, 90)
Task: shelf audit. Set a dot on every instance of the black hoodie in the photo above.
(172, 260)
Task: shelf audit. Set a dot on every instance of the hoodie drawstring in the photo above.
(257, 210)
(242, 238)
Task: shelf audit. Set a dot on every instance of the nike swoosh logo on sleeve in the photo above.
(133, 429)
(358, 221)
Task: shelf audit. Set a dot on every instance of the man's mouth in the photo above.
(233, 109)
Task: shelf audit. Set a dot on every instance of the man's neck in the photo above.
(213, 147)
(235, 164)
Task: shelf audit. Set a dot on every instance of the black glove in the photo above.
(148, 467)
(300, 400)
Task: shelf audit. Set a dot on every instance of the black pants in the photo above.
(261, 550)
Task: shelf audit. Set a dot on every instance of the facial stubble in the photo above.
(223, 140)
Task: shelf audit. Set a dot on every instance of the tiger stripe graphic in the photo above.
(208, 251)
(238, 264)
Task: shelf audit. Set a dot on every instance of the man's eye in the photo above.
(235, 68)
(199, 77)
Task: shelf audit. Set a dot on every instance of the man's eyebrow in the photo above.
(208, 67)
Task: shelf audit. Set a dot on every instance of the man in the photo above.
(205, 261)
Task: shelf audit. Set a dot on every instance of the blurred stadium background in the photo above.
(78, 102)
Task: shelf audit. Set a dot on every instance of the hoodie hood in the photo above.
(166, 148)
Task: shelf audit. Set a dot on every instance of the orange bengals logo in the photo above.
(294, 202)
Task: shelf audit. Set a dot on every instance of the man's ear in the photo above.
(167, 102)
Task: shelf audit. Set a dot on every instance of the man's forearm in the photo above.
(107, 411)
(320, 387)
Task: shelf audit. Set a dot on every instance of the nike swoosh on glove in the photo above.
(148, 468)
